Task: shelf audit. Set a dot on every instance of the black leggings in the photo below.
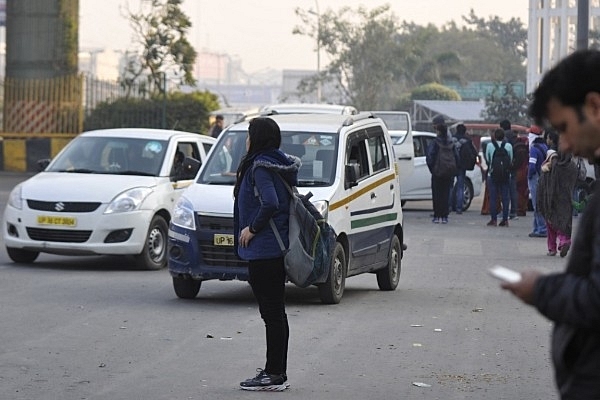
(267, 279)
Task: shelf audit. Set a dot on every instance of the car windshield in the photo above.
(318, 152)
(111, 155)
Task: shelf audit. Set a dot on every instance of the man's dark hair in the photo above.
(505, 124)
(461, 129)
(219, 117)
(499, 134)
(568, 82)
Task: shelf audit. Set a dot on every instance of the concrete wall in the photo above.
(20, 152)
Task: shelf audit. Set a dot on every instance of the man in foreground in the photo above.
(568, 98)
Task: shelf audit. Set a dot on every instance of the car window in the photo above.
(207, 147)
(357, 154)
(111, 155)
(379, 153)
(317, 153)
(418, 147)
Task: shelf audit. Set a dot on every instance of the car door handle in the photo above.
(392, 186)
(373, 195)
(405, 158)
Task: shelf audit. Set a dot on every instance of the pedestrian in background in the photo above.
(442, 173)
(511, 137)
(260, 196)
(568, 97)
(554, 201)
(537, 155)
(217, 127)
(461, 139)
(498, 181)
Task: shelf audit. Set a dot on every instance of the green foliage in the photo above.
(68, 13)
(505, 104)
(434, 91)
(161, 29)
(184, 112)
(375, 61)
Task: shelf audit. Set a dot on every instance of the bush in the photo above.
(180, 111)
(434, 91)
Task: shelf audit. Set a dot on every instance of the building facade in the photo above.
(553, 34)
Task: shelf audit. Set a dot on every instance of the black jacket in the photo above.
(572, 300)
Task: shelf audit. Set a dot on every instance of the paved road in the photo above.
(95, 328)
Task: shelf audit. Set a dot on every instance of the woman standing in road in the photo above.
(260, 195)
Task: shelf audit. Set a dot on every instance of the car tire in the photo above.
(154, 255)
(468, 195)
(332, 290)
(388, 278)
(22, 256)
(186, 288)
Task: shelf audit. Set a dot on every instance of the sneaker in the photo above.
(492, 222)
(436, 220)
(504, 222)
(513, 217)
(551, 253)
(537, 235)
(265, 382)
(564, 249)
(444, 220)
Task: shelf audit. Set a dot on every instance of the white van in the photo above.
(347, 164)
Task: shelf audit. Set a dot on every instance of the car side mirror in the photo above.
(190, 168)
(352, 171)
(43, 163)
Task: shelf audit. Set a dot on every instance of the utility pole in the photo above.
(583, 22)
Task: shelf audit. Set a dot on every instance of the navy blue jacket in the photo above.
(572, 301)
(537, 155)
(273, 201)
(434, 147)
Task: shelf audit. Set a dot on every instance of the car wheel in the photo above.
(154, 254)
(468, 194)
(388, 278)
(22, 256)
(186, 288)
(332, 290)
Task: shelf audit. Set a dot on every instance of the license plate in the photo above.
(223, 239)
(54, 220)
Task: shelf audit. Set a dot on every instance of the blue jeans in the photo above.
(539, 223)
(503, 189)
(459, 187)
(514, 197)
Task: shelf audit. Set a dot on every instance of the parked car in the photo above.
(347, 164)
(418, 185)
(107, 192)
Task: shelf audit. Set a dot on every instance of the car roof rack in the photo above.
(358, 117)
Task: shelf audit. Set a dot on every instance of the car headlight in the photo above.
(14, 199)
(127, 201)
(183, 214)
(323, 207)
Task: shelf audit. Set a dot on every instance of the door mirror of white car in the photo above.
(352, 173)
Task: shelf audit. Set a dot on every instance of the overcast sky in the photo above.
(260, 32)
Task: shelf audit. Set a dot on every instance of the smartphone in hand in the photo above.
(505, 274)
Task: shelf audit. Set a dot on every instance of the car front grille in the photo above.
(222, 256)
(63, 206)
(58, 235)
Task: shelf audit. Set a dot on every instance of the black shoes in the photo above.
(265, 382)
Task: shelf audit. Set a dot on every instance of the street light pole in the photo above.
(318, 14)
(583, 22)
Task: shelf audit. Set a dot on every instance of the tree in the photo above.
(362, 47)
(160, 29)
(505, 104)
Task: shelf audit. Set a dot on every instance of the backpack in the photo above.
(445, 162)
(501, 164)
(467, 154)
(312, 240)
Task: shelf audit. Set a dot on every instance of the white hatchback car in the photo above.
(107, 192)
(418, 185)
